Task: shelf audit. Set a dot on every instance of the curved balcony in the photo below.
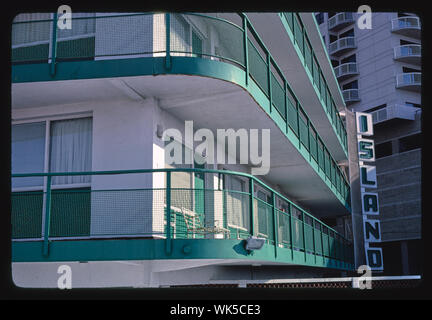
(407, 26)
(116, 215)
(342, 45)
(409, 53)
(409, 81)
(396, 111)
(217, 52)
(346, 70)
(351, 96)
(340, 20)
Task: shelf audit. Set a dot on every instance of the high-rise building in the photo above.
(379, 72)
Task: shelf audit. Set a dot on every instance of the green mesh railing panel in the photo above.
(308, 56)
(290, 16)
(316, 73)
(298, 33)
(320, 153)
(70, 213)
(326, 244)
(313, 146)
(332, 246)
(304, 132)
(258, 67)
(26, 215)
(237, 212)
(318, 241)
(278, 96)
(31, 53)
(292, 117)
(30, 40)
(264, 226)
(309, 237)
(73, 49)
(297, 233)
(284, 228)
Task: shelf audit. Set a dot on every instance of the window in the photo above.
(383, 149)
(28, 152)
(350, 85)
(69, 145)
(349, 33)
(410, 142)
(351, 58)
(408, 70)
(411, 104)
(377, 108)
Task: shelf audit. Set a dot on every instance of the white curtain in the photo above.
(71, 149)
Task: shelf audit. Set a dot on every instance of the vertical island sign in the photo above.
(368, 183)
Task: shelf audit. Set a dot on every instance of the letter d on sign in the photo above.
(65, 280)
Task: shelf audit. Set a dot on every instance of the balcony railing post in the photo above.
(275, 226)
(291, 231)
(313, 239)
(245, 47)
(47, 217)
(269, 80)
(286, 103)
(322, 242)
(53, 45)
(304, 235)
(168, 41)
(168, 213)
(252, 218)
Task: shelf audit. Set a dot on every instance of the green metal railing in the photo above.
(118, 204)
(311, 62)
(171, 35)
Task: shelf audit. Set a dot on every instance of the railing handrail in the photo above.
(348, 16)
(398, 50)
(261, 43)
(415, 77)
(398, 26)
(190, 170)
(348, 93)
(347, 64)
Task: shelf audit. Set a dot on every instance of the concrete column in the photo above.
(354, 178)
(404, 257)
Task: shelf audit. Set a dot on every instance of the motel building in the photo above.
(93, 191)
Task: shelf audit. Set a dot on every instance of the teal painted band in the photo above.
(153, 249)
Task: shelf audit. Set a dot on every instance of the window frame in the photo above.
(47, 120)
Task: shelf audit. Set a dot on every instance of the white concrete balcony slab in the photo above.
(342, 45)
(340, 20)
(346, 70)
(407, 26)
(396, 111)
(351, 96)
(409, 53)
(409, 81)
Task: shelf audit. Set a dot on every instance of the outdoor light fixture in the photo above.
(254, 243)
